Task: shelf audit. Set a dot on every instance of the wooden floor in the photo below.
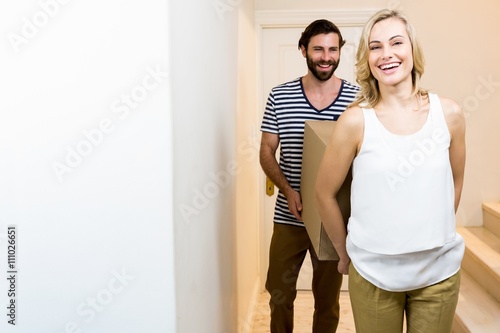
(303, 313)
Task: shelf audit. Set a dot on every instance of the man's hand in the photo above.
(294, 203)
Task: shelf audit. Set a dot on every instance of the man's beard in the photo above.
(321, 75)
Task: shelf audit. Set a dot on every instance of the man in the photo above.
(319, 95)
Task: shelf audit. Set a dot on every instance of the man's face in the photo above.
(323, 55)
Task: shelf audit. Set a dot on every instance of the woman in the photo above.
(407, 150)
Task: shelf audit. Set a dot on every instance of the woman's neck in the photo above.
(397, 97)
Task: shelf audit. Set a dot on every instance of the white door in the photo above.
(281, 61)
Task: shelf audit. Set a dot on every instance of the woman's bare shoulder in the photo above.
(350, 127)
(352, 117)
(450, 106)
(452, 111)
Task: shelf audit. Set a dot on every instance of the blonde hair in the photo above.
(370, 94)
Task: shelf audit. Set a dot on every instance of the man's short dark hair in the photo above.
(319, 27)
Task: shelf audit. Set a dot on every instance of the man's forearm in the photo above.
(273, 171)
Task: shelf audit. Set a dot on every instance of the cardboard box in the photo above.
(316, 137)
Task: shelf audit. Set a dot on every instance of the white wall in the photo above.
(248, 180)
(204, 65)
(86, 165)
(462, 63)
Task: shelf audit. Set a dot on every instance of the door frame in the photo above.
(268, 19)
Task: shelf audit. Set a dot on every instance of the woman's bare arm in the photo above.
(344, 144)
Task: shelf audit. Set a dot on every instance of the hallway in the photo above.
(303, 313)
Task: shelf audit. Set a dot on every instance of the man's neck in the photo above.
(315, 86)
(321, 94)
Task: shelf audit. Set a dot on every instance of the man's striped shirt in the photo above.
(287, 109)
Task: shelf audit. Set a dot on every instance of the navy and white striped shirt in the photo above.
(287, 109)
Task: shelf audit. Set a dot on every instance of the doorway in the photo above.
(280, 61)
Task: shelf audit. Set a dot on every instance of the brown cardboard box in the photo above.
(316, 136)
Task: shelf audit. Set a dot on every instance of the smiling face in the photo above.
(390, 53)
(322, 55)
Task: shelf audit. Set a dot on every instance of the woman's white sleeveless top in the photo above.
(401, 232)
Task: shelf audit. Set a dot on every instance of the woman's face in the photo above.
(390, 53)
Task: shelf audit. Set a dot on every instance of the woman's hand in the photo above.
(343, 266)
